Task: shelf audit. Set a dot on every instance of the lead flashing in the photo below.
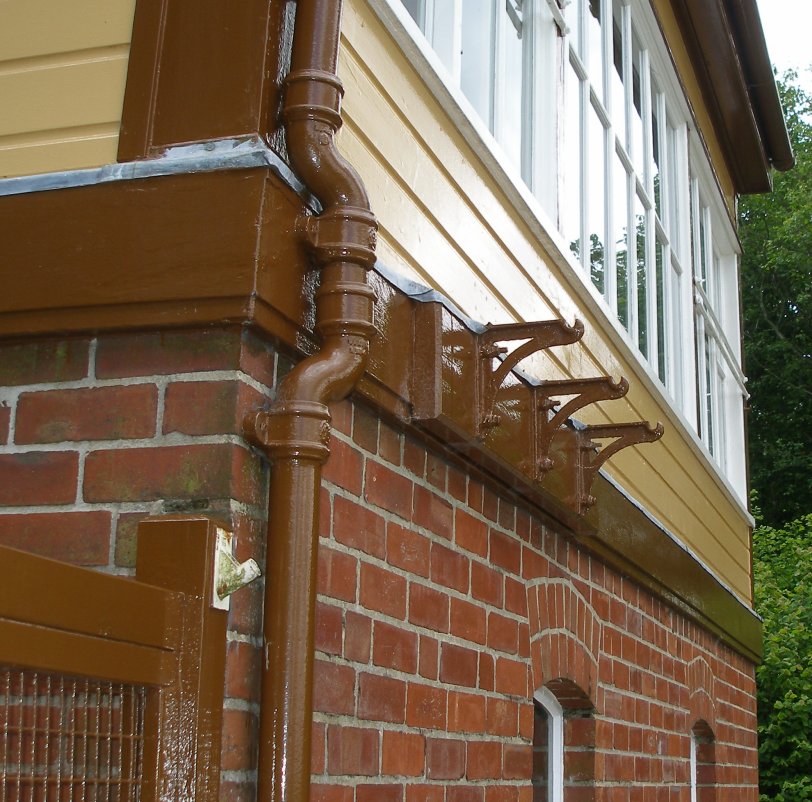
(199, 157)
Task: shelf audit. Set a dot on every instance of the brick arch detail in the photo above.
(565, 637)
(701, 693)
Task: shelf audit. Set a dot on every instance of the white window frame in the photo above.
(555, 743)
(440, 22)
(599, 92)
(688, 152)
(721, 384)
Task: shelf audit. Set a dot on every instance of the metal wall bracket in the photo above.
(551, 415)
(466, 390)
(588, 456)
(229, 574)
(497, 362)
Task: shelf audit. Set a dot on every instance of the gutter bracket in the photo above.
(495, 363)
(551, 415)
(583, 457)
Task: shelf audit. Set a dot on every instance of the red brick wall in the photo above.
(442, 604)
(96, 434)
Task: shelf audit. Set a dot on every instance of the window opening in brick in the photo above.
(68, 738)
(703, 763)
(548, 748)
(563, 742)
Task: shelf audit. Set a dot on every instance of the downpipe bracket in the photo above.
(343, 234)
(291, 430)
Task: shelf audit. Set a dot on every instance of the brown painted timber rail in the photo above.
(158, 632)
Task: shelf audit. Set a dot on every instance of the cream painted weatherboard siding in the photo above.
(63, 66)
(447, 222)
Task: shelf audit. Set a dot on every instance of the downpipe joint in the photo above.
(292, 430)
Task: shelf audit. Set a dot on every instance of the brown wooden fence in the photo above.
(112, 688)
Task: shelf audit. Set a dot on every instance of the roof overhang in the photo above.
(726, 42)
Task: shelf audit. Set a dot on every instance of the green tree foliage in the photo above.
(783, 596)
(776, 233)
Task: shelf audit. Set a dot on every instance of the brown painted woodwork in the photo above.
(198, 71)
(51, 619)
(729, 56)
(163, 251)
(177, 553)
(83, 615)
(206, 262)
(745, 23)
(160, 632)
(76, 654)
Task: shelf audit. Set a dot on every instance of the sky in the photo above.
(787, 25)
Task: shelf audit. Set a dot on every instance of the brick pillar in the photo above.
(96, 434)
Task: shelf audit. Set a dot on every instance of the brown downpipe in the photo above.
(295, 432)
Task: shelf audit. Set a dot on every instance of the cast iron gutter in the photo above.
(727, 48)
(746, 23)
(295, 432)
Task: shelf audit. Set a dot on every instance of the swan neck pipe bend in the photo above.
(295, 432)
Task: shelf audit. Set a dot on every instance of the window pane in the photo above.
(662, 312)
(541, 759)
(594, 49)
(694, 230)
(714, 280)
(641, 232)
(476, 62)
(618, 89)
(708, 389)
(675, 313)
(672, 184)
(440, 24)
(702, 272)
(415, 9)
(656, 158)
(571, 146)
(719, 411)
(511, 88)
(572, 13)
(596, 221)
(620, 210)
(637, 128)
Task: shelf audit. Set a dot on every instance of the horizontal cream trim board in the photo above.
(49, 136)
(425, 62)
(37, 156)
(84, 93)
(40, 27)
(66, 59)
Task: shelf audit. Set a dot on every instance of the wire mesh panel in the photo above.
(66, 739)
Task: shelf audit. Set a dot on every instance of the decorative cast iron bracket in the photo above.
(549, 419)
(586, 457)
(538, 336)
(465, 390)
